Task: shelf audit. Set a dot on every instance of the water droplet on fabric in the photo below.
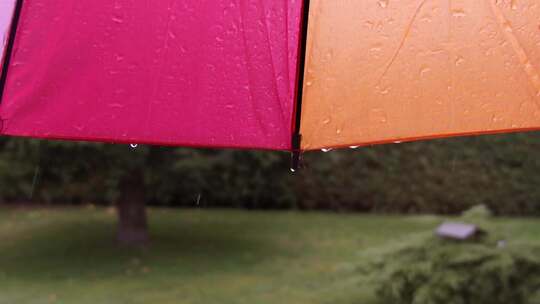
(513, 4)
(383, 90)
(424, 71)
(117, 19)
(459, 13)
(459, 60)
(383, 3)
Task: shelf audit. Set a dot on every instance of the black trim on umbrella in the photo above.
(9, 46)
(297, 137)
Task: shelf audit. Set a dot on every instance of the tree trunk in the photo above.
(131, 210)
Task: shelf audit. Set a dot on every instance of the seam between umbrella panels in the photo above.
(9, 52)
(300, 75)
(296, 140)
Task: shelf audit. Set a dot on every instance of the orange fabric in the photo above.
(390, 71)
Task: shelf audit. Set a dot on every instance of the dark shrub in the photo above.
(437, 271)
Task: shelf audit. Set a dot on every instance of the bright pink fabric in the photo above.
(172, 72)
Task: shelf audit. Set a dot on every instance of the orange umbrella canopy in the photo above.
(391, 71)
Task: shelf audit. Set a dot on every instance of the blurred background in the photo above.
(444, 176)
(224, 226)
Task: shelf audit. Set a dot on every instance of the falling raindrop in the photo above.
(134, 146)
(293, 170)
(35, 181)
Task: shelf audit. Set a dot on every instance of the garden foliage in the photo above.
(438, 176)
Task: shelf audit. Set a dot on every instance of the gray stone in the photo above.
(457, 231)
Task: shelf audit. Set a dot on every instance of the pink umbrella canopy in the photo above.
(190, 73)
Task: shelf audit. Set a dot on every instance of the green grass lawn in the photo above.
(203, 256)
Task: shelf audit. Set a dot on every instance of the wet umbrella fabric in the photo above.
(225, 74)
(392, 71)
(189, 73)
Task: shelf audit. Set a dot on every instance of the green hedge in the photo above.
(439, 176)
(491, 269)
(439, 272)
